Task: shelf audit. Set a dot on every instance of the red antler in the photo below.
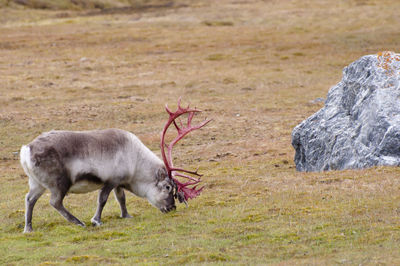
(182, 188)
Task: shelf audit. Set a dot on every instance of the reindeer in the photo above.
(113, 159)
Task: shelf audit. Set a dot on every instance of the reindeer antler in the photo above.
(184, 191)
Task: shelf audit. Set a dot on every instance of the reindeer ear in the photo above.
(161, 174)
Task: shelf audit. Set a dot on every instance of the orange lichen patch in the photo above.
(386, 60)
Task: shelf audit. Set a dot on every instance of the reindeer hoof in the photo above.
(28, 230)
(82, 225)
(126, 216)
(95, 222)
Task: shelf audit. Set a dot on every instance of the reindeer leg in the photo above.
(101, 202)
(120, 196)
(35, 191)
(56, 200)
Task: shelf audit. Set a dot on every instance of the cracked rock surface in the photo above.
(359, 126)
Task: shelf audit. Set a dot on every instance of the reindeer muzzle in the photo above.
(168, 208)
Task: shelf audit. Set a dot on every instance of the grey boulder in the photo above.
(359, 126)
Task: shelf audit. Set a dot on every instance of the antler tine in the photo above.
(176, 126)
(179, 102)
(188, 177)
(187, 171)
(190, 117)
(180, 123)
(168, 110)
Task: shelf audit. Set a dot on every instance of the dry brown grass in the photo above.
(253, 66)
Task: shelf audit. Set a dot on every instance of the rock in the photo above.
(317, 100)
(359, 126)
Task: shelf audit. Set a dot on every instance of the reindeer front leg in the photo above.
(120, 196)
(101, 202)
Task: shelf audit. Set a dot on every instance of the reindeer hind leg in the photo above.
(35, 191)
(56, 200)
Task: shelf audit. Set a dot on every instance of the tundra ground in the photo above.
(255, 67)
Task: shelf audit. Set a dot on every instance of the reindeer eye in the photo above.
(168, 188)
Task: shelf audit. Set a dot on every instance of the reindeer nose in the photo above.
(171, 208)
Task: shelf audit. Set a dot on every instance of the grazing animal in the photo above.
(113, 159)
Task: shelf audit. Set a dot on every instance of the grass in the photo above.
(255, 71)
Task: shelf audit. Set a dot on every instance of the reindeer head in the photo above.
(162, 195)
(188, 189)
